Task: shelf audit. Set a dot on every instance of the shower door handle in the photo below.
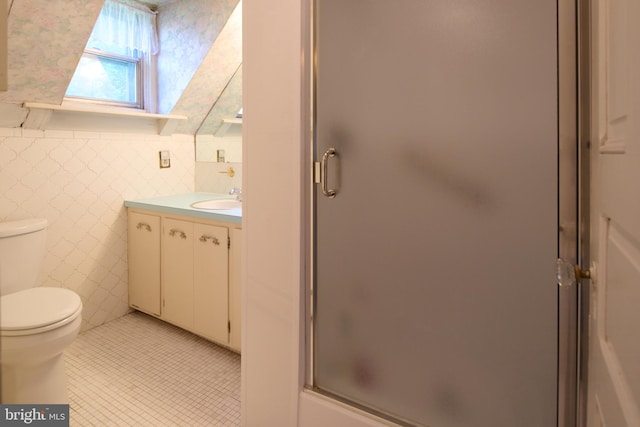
(330, 193)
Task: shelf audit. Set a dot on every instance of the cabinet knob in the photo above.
(214, 239)
(180, 233)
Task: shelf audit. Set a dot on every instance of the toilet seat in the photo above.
(37, 310)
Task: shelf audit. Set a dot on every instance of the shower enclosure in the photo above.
(436, 207)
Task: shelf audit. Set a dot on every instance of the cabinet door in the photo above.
(211, 282)
(234, 288)
(143, 236)
(177, 272)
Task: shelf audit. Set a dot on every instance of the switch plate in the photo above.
(165, 159)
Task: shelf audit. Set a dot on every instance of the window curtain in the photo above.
(130, 31)
(126, 28)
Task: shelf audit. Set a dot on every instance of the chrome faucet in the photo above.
(237, 192)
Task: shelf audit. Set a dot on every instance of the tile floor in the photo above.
(140, 371)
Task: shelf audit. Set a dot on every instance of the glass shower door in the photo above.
(435, 299)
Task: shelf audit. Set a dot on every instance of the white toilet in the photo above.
(36, 323)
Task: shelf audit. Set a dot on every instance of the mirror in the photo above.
(219, 137)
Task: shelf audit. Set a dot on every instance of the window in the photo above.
(107, 78)
(118, 64)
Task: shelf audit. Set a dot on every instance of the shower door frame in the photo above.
(573, 190)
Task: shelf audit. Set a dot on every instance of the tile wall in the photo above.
(78, 181)
(214, 177)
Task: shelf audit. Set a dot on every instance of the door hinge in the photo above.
(229, 326)
(228, 242)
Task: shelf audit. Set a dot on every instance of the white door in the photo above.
(614, 376)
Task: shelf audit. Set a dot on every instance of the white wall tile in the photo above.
(30, 133)
(58, 133)
(78, 181)
(85, 134)
(7, 132)
(210, 177)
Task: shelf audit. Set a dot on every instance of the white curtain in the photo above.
(131, 31)
(123, 26)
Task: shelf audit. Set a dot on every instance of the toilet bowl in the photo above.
(36, 325)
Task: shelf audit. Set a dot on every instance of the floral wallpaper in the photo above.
(45, 42)
(217, 68)
(187, 30)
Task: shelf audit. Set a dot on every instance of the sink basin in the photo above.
(217, 204)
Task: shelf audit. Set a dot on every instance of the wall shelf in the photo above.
(226, 124)
(96, 118)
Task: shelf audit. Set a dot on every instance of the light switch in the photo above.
(165, 159)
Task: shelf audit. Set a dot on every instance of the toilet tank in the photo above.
(22, 246)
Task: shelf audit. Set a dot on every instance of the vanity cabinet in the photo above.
(197, 266)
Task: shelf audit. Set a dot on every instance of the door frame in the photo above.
(575, 102)
(583, 60)
(568, 223)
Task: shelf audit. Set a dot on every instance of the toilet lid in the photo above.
(37, 307)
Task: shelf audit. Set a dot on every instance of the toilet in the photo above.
(36, 323)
